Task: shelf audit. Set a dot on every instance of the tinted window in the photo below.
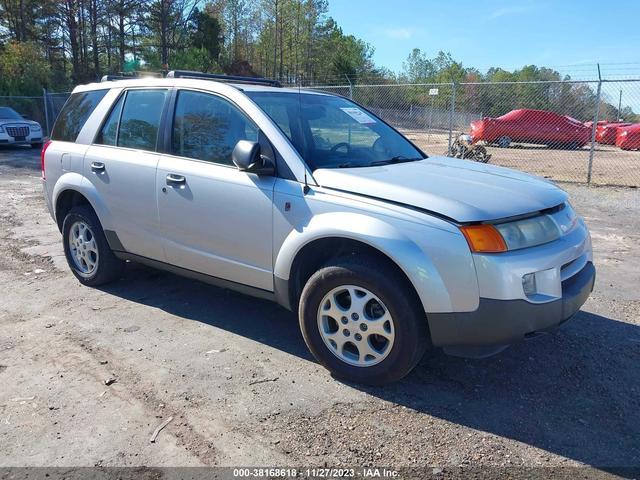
(75, 113)
(109, 132)
(140, 119)
(208, 128)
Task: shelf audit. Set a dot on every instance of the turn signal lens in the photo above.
(484, 239)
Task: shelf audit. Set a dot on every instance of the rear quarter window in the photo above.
(75, 113)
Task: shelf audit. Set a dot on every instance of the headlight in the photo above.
(515, 235)
(35, 128)
(624, 133)
(1, 129)
(528, 232)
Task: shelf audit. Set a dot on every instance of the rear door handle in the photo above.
(97, 166)
(173, 179)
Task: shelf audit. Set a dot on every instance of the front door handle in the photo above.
(173, 179)
(97, 166)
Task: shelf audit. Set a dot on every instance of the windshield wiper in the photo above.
(350, 165)
(393, 160)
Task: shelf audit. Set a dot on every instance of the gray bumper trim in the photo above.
(501, 322)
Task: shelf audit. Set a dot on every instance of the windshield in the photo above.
(332, 132)
(7, 113)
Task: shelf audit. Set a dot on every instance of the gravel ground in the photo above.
(611, 165)
(235, 376)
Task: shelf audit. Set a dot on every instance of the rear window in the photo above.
(140, 119)
(75, 113)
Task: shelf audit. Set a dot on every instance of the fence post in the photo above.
(593, 128)
(453, 107)
(350, 86)
(46, 110)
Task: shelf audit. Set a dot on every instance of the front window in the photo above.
(333, 132)
(207, 127)
(7, 113)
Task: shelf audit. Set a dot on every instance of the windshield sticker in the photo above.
(358, 115)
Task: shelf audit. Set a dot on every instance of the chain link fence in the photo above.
(570, 131)
(43, 109)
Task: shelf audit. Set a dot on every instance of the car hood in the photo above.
(462, 190)
(18, 123)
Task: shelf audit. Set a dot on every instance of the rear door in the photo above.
(121, 164)
(215, 219)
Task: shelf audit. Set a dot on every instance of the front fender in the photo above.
(398, 242)
(75, 181)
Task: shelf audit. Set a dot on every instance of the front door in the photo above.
(214, 219)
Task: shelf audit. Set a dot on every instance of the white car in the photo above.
(17, 130)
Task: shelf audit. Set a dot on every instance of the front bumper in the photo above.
(31, 138)
(501, 322)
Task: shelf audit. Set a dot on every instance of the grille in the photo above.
(18, 131)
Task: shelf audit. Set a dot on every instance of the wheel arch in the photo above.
(71, 190)
(68, 199)
(303, 252)
(321, 250)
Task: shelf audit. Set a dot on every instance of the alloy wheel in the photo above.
(83, 248)
(356, 326)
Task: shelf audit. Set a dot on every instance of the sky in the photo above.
(571, 35)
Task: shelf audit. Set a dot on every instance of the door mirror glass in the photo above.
(246, 156)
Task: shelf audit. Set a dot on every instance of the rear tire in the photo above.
(504, 142)
(88, 254)
(366, 300)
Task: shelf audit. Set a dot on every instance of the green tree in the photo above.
(23, 69)
(207, 33)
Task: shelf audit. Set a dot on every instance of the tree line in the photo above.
(67, 42)
(497, 91)
(57, 44)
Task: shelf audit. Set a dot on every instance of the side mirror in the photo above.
(246, 156)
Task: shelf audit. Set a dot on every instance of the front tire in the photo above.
(480, 154)
(88, 254)
(363, 324)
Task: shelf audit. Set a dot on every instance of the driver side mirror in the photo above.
(246, 156)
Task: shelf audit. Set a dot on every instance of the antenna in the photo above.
(306, 188)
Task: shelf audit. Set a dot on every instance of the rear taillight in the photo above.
(42, 152)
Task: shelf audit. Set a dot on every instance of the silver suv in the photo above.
(312, 201)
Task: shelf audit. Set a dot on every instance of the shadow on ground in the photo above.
(20, 156)
(574, 393)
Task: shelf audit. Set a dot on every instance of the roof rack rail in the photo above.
(132, 76)
(223, 78)
(112, 78)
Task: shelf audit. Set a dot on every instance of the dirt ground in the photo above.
(235, 376)
(611, 166)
